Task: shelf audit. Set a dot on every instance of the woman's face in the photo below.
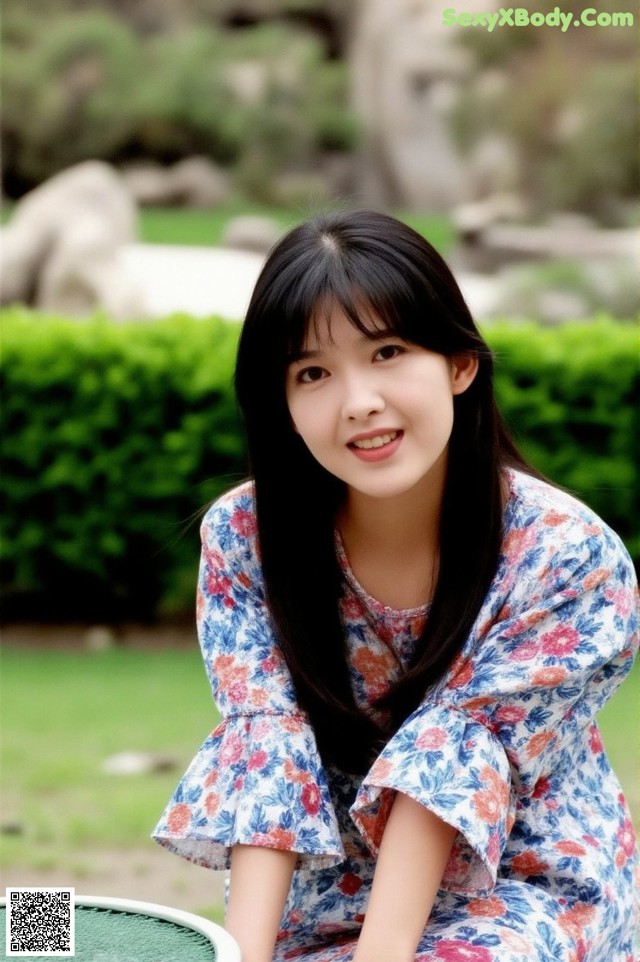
(376, 413)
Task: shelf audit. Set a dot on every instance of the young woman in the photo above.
(408, 634)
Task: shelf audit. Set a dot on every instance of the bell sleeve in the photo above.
(518, 704)
(258, 778)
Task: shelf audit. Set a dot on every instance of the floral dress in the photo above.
(504, 747)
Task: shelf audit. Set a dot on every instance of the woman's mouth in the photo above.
(377, 447)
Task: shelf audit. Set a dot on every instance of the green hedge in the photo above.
(116, 437)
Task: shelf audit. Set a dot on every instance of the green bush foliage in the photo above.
(570, 398)
(115, 437)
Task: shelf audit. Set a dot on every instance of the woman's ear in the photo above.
(464, 368)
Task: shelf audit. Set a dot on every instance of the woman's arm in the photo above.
(260, 882)
(413, 854)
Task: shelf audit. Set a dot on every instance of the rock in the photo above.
(198, 182)
(193, 182)
(100, 638)
(83, 273)
(472, 218)
(137, 763)
(251, 233)
(59, 250)
(11, 828)
(147, 184)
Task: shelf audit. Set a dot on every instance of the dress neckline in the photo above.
(375, 606)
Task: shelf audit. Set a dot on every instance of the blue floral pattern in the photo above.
(505, 747)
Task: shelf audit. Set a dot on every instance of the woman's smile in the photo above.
(376, 446)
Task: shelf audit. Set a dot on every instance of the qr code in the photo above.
(40, 921)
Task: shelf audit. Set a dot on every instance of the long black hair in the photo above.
(371, 266)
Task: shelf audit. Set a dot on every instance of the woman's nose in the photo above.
(361, 399)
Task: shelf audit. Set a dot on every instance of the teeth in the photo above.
(377, 442)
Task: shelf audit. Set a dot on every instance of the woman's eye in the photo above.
(310, 374)
(389, 351)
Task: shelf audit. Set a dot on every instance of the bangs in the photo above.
(378, 300)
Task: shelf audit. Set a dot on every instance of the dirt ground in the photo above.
(146, 874)
(74, 637)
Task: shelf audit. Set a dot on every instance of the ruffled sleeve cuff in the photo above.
(257, 780)
(452, 765)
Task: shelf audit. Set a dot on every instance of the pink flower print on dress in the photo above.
(538, 743)
(272, 663)
(244, 522)
(595, 740)
(528, 863)
(352, 609)
(510, 714)
(229, 671)
(518, 542)
(257, 760)
(231, 749)
(310, 798)
(561, 641)
(527, 651)
(575, 920)
(595, 578)
(627, 837)
(554, 518)
(461, 673)
(549, 677)
(277, 838)
(624, 600)
(237, 693)
(455, 950)
(489, 908)
(568, 847)
(431, 739)
(489, 802)
(382, 767)
(217, 583)
(179, 817)
(298, 775)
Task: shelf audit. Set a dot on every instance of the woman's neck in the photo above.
(389, 525)
(393, 544)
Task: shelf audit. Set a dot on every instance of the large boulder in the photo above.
(60, 249)
(193, 182)
(250, 232)
(84, 272)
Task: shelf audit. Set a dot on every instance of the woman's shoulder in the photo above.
(554, 526)
(230, 523)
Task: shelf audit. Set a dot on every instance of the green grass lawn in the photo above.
(64, 712)
(173, 225)
(205, 227)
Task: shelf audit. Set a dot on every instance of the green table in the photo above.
(123, 930)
